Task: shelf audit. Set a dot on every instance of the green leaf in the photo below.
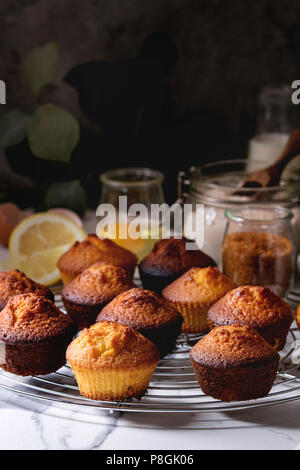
(70, 195)
(40, 67)
(13, 127)
(3, 197)
(53, 133)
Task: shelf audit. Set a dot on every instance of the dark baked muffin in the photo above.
(88, 293)
(168, 260)
(147, 313)
(257, 307)
(297, 316)
(34, 335)
(234, 363)
(83, 254)
(194, 292)
(15, 282)
(112, 362)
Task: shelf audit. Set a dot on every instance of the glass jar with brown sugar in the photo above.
(258, 247)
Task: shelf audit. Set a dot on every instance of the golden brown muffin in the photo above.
(168, 260)
(34, 335)
(257, 307)
(194, 293)
(297, 316)
(234, 363)
(112, 361)
(259, 258)
(147, 313)
(88, 293)
(15, 282)
(83, 254)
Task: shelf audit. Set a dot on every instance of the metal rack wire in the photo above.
(173, 388)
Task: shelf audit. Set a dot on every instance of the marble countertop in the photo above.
(32, 424)
(27, 423)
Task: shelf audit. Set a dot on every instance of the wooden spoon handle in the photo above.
(290, 151)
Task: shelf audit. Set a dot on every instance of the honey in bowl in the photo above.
(140, 246)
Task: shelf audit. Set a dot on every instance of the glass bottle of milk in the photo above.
(274, 125)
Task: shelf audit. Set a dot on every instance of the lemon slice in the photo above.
(43, 231)
(37, 243)
(41, 266)
(7, 264)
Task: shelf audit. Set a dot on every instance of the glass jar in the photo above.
(215, 186)
(258, 247)
(140, 186)
(275, 122)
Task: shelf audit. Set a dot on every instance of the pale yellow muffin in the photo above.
(93, 249)
(194, 293)
(112, 362)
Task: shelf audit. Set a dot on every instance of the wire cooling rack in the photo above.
(173, 388)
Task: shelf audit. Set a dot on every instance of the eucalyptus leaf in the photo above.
(70, 195)
(40, 67)
(13, 127)
(3, 196)
(53, 133)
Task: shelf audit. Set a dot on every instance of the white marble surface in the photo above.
(27, 423)
(31, 424)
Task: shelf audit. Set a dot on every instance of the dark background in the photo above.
(227, 50)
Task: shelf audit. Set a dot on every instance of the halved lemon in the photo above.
(39, 240)
(41, 266)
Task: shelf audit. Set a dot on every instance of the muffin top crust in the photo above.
(252, 305)
(140, 308)
(111, 345)
(233, 346)
(16, 282)
(83, 254)
(97, 284)
(203, 285)
(30, 318)
(80, 256)
(170, 256)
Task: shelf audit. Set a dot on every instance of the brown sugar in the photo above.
(259, 258)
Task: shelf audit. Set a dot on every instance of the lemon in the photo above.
(7, 264)
(41, 266)
(37, 243)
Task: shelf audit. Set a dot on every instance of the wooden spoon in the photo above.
(271, 175)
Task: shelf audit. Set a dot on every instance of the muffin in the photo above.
(15, 282)
(112, 362)
(34, 335)
(88, 293)
(147, 313)
(193, 294)
(257, 307)
(297, 317)
(168, 260)
(234, 363)
(83, 254)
